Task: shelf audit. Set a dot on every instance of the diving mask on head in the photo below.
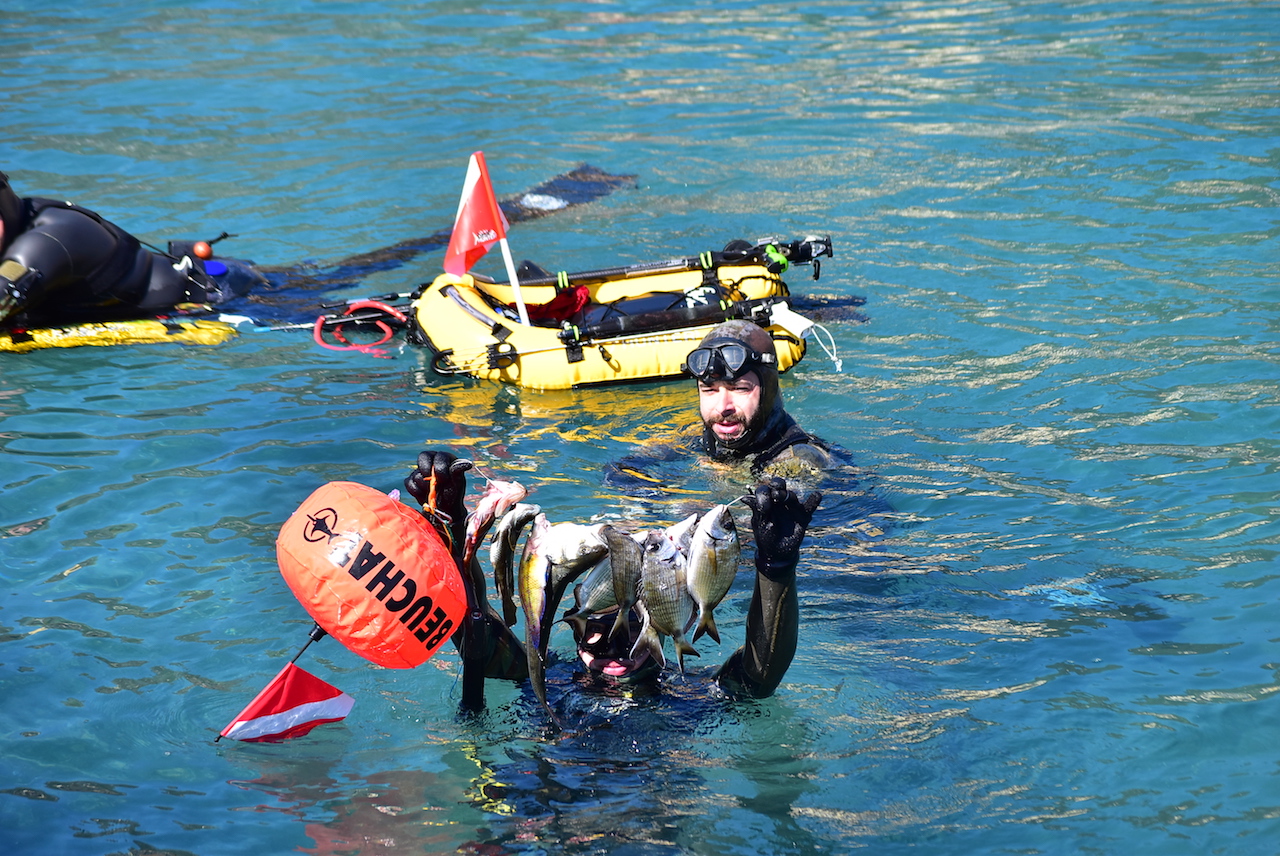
(725, 359)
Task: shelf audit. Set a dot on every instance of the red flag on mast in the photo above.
(479, 224)
(295, 702)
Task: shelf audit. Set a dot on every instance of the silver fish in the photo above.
(502, 555)
(627, 576)
(668, 610)
(682, 533)
(577, 545)
(554, 557)
(713, 563)
(593, 594)
(625, 559)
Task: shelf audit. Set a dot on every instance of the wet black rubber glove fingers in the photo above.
(779, 519)
(439, 484)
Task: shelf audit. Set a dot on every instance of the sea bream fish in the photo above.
(666, 606)
(554, 557)
(681, 534)
(713, 563)
(502, 555)
(625, 559)
(593, 594)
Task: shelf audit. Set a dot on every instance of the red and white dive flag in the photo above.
(479, 224)
(295, 702)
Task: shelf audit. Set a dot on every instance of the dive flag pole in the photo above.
(479, 225)
(515, 282)
(317, 633)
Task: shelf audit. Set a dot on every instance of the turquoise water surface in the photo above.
(1042, 618)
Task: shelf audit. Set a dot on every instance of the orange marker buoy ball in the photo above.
(373, 573)
(202, 250)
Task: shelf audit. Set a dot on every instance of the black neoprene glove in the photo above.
(443, 504)
(11, 293)
(779, 519)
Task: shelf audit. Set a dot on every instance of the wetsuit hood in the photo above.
(771, 420)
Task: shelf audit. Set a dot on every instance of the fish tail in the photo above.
(540, 690)
(509, 610)
(621, 628)
(578, 622)
(538, 676)
(683, 648)
(707, 625)
(650, 640)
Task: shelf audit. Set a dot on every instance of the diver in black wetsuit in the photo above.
(740, 403)
(741, 420)
(61, 263)
(779, 519)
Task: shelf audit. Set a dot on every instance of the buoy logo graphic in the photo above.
(320, 525)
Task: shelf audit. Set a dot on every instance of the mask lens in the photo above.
(699, 361)
(735, 357)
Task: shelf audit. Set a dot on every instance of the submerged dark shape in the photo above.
(829, 308)
(290, 291)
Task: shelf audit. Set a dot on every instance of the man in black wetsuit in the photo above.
(736, 368)
(779, 519)
(61, 263)
(741, 418)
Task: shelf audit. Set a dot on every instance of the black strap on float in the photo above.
(576, 338)
(442, 364)
(670, 319)
(501, 353)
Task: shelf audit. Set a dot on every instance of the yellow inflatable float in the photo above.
(613, 325)
(185, 331)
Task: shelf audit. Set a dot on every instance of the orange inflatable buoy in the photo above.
(373, 573)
